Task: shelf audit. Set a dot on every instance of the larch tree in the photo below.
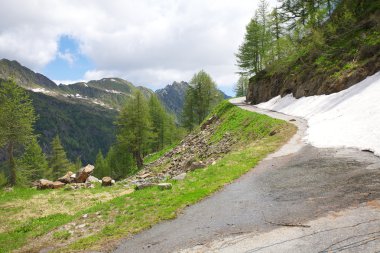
(160, 122)
(200, 99)
(249, 58)
(134, 127)
(32, 165)
(242, 86)
(58, 162)
(17, 117)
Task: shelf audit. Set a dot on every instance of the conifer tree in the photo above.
(32, 165)
(17, 118)
(200, 99)
(160, 123)
(59, 164)
(101, 167)
(242, 86)
(134, 127)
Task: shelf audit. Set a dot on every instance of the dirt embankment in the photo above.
(340, 63)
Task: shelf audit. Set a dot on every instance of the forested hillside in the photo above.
(83, 129)
(310, 47)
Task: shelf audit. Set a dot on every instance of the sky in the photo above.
(149, 43)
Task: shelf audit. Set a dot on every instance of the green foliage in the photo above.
(83, 129)
(328, 34)
(61, 235)
(101, 167)
(32, 165)
(134, 127)
(58, 161)
(31, 229)
(3, 180)
(17, 117)
(241, 86)
(201, 97)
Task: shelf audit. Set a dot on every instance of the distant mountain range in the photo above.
(83, 113)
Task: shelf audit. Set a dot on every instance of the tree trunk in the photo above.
(12, 165)
(139, 160)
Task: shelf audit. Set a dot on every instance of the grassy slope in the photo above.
(129, 214)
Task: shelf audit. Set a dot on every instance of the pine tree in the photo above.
(160, 121)
(119, 162)
(242, 86)
(78, 164)
(101, 166)
(200, 99)
(59, 164)
(17, 118)
(134, 126)
(249, 58)
(187, 115)
(32, 165)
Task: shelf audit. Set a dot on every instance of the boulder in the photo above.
(92, 179)
(141, 186)
(208, 122)
(47, 184)
(67, 179)
(84, 173)
(44, 184)
(164, 186)
(197, 165)
(57, 185)
(180, 177)
(107, 181)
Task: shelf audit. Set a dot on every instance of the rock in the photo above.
(292, 120)
(92, 179)
(141, 186)
(80, 226)
(213, 163)
(85, 216)
(8, 189)
(197, 165)
(143, 176)
(208, 122)
(106, 181)
(67, 179)
(84, 173)
(44, 184)
(164, 186)
(57, 185)
(180, 176)
(274, 132)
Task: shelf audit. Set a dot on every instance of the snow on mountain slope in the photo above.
(350, 118)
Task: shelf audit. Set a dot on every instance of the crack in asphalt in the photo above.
(312, 234)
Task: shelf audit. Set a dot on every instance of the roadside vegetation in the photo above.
(314, 41)
(109, 214)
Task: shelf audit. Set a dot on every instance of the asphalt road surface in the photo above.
(299, 199)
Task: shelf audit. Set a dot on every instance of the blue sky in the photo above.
(69, 63)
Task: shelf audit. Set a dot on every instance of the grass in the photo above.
(131, 213)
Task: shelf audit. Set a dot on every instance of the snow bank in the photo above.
(350, 118)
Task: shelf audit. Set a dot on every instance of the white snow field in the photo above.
(350, 118)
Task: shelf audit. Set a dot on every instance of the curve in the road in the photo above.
(296, 185)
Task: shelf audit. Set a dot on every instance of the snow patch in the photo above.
(350, 118)
(40, 90)
(113, 91)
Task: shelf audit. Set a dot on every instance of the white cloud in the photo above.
(67, 56)
(147, 42)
